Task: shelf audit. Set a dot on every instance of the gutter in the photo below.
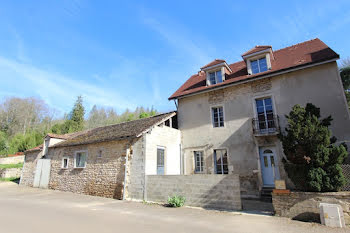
(272, 74)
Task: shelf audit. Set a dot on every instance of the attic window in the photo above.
(259, 65)
(215, 77)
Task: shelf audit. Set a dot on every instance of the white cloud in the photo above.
(60, 91)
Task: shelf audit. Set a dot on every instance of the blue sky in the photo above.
(127, 54)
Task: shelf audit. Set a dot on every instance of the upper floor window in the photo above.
(215, 77)
(259, 65)
(265, 114)
(218, 116)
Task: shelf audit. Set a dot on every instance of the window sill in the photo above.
(79, 167)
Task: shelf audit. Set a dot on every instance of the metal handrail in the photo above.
(265, 126)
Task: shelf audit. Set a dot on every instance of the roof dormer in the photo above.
(215, 71)
(258, 59)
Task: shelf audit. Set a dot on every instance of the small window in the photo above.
(80, 159)
(160, 160)
(221, 162)
(215, 77)
(65, 163)
(99, 155)
(218, 116)
(198, 161)
(259, 65)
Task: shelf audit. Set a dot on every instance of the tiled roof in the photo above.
(213, 63)
(256, 49)
(59, 136)
(299, 55)
(38, 148)
(126, 130)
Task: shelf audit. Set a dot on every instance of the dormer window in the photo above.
(258, 59)
(215, 71)
(259, 65)
(215, 77)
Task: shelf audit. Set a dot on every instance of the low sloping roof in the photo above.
(126, 130)
(299, 55)
(256, 49)
(38, 148)
(213, 63)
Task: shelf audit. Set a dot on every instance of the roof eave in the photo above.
(270, 74)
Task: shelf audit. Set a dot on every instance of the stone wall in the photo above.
(12, 160)
(28, 170)
(10, 172)
(305, 205)
(102, 176)
(208, 191)
(136, 171)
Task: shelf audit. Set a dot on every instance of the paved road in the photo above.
(29, 210)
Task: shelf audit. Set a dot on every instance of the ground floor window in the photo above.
(80, 159)
(198, 161)
(220, 160)
(65, 163)
(160, 160)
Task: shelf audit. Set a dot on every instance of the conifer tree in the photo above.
(313, 161)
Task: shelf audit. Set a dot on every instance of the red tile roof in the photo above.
(295, 56)
(213, 63)
(38, 148)
(256, 49)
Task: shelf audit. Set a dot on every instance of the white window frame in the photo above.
(164, 166)
(264, 96)
(212, 116)
(257, 57)
(202, 160)
(62, 166)
(75, 158)
(221, 69)
(259, 69)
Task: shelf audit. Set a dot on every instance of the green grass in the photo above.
(18, 165)
(10, 179)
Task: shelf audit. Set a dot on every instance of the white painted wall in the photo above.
(170, 139)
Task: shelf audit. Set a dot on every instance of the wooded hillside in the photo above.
(24, 122)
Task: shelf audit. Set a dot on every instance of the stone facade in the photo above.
(10, 172)
(143, 158)
(208, 191)
(12, 160)
(28, 169)
(320, 85)
(305, 205)
(135, 180)
(103, 174)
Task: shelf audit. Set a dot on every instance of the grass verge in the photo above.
(10, 179)
(18, 165)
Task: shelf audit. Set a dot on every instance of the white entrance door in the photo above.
(42, 173)
(269, 167)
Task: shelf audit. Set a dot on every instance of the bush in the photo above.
(312, 158)
(176, 201)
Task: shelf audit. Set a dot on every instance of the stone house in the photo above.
(104, 160)
(229, 115)
(221, 143)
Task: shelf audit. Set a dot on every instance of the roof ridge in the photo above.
(125, 122)
(304, 42)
